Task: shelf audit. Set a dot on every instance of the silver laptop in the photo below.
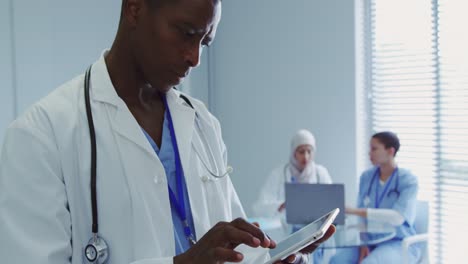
(306, 203)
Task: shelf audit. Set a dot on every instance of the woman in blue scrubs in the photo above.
(387, 194)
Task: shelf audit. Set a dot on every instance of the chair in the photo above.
(421, 224)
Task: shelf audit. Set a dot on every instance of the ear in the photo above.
(131, 11)
(391, 151)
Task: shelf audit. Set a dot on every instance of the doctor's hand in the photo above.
(296, 258)
(218, 244)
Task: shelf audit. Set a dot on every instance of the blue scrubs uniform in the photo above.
(400, 196)
(167, 157)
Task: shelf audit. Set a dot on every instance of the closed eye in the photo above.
(190, 32)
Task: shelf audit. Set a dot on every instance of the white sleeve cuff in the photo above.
(387, 216)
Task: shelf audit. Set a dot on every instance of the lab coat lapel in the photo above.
(184, 125)
(127, 127)
(123, 123)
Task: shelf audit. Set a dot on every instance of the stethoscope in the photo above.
(395, 190)
(97, 251)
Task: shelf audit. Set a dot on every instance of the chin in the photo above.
(181, 80)
(166, 86)
(174, 84)
(166, 89)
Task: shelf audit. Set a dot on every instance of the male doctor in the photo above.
(156, 200)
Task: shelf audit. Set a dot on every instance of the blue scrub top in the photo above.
(167, 157)
(405, 203)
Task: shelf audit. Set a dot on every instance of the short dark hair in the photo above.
(152, 3)
(388, 139)
(156, 3)
(159, 3)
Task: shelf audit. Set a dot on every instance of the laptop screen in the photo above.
(306, 202)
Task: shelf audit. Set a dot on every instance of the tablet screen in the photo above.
(305, 234)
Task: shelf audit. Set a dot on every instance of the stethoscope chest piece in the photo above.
(367, 201)
(96, 251)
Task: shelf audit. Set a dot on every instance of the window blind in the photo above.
(418, 87)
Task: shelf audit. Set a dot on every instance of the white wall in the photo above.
(55, 41)
(279, 66)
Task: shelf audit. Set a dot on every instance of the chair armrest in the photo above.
(408, 241)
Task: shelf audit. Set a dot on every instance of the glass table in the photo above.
(356, 232)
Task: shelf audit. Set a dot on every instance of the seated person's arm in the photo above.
(388, 216)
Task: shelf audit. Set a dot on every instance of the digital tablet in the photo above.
(303, 237)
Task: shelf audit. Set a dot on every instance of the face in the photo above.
(303, 155)
(378, 154)
(167, 41)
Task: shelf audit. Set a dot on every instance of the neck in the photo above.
(126, 77)
(386, 170)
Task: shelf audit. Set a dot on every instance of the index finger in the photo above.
(265, 240)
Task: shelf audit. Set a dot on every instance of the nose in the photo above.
(192, 57)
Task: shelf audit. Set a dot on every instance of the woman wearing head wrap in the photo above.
(301, 168)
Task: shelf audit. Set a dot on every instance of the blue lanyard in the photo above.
(179, 203)
(378, 200)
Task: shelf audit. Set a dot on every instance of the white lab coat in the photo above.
(45, 207)
(272, 194)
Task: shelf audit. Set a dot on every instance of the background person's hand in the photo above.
(362, 212)
(363, 253)
(218, 244)
(309, 249)
(349, 210)
(282, 207)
